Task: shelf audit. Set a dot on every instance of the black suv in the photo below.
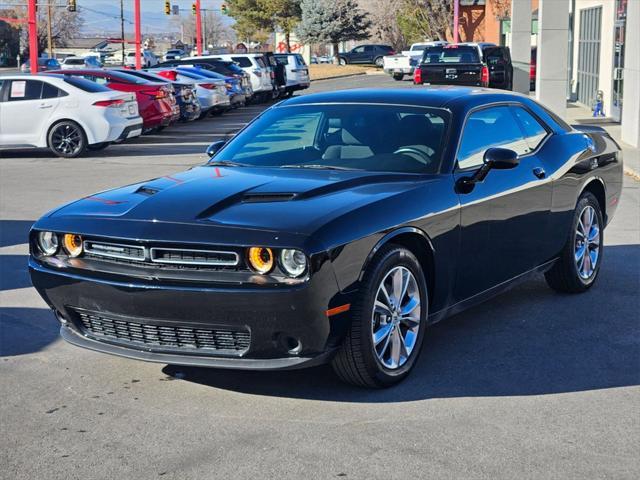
(371, 54)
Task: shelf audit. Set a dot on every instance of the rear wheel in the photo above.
(378, 62)
(388, 322)
(342, 61)
(579, 263)
(398, 76)
(67, 139)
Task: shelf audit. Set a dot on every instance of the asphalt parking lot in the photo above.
(530, 385)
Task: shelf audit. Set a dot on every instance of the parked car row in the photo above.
(73, 108)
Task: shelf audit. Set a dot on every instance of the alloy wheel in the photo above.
(395, 319)
(587, 247)
(66, 139)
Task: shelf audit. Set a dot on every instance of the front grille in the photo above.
(182, 256)
(163, 337)
(114, 250)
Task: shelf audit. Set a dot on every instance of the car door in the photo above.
(26, 110)
(498, 61)
(357, 55)
(505, 218)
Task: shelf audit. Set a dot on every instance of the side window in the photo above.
(358, 50)
(490, 127)
(369, 49)
(20, 90)
(49, 91)
(534, 132)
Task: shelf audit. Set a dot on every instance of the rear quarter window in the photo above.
(85, 85)
(244, 62)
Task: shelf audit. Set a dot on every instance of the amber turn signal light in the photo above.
(72, 244)
(260, 259)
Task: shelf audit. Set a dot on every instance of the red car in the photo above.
(156, 103)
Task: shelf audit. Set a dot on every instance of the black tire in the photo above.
(98, 146)
(564, 275)
(356, 362)
(398, 76)
(76, 145)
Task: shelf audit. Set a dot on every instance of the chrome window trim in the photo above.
(99, 253)
(223, 263)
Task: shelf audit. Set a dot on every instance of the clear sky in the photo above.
(104, 14)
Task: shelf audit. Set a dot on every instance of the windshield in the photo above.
(389, 138)
(200, 73)
(74, 61)
(451, 54)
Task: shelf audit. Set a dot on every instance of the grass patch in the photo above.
(324, 70)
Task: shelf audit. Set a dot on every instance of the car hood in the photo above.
(297, 201)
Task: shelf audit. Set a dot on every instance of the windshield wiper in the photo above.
(317, 166)
(226, 163)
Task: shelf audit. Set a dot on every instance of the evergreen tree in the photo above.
(332, 21)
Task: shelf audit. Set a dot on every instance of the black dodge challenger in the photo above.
(333, 228)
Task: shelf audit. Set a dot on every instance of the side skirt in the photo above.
(488, 294)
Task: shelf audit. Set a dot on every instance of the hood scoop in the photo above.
(267, 197)
(145, 190)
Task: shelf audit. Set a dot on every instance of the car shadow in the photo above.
(14, 272)
(14, 232)
(26, 330)
(529, 341)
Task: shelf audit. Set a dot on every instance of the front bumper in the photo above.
(287, 325)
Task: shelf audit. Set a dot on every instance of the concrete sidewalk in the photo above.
(577, 114)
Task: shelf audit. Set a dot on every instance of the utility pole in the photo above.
(138, 40)
(122, 28)
(204, 31)
(49, 35)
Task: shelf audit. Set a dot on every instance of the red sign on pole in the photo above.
(136, 20)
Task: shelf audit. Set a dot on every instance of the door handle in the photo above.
(539, 172)
(45, 106)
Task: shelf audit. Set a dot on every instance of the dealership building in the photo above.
(580, 51)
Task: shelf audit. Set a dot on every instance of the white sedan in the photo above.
(64, 113)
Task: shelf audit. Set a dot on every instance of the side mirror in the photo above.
(494, 158)
(214, 148)
(501, 158)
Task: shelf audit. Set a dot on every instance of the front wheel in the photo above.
(67, 139)
(388, 321)
(580, 259)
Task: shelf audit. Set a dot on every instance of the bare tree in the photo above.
(384, 21)
(425, 19)
(214, 30)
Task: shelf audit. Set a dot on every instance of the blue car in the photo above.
(234, 86)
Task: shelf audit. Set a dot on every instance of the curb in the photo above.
(339, 76)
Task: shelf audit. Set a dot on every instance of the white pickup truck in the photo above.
(403, 63)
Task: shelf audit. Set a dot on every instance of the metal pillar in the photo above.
(521, 44)
(33, 36)
(553, 54)
(198, 28)
(456, 20)
(136, 8)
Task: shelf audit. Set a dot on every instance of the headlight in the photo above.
(293, 262)
(260, 259)
(72, 244)
(48, 242)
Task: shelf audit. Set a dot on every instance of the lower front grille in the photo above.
(162, 337)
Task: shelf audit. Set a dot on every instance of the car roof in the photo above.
(434, 96)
